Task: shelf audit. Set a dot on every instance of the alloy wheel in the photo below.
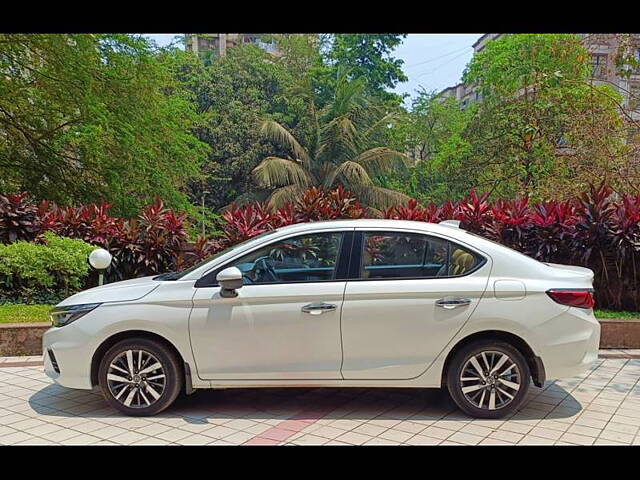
(136, 378)
(490, 380)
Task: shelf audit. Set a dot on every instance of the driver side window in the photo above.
(306, 258)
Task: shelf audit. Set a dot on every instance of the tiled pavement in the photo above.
(599, 407)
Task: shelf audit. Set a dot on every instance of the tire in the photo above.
(475, 397)
(145, 392)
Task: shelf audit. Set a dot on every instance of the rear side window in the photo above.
(397, 255)
(461, 261)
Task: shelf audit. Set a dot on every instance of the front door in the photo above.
(412, 294)
(285, 322)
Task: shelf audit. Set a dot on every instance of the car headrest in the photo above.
(461, 261)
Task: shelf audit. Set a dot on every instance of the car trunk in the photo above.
(571, 272)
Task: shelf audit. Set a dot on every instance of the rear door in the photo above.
(411, 294)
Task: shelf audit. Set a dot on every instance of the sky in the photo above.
(431, 61)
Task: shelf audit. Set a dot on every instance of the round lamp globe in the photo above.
(100, 259)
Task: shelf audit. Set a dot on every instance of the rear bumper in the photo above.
(572, 343)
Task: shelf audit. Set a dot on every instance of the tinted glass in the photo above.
(307, 258)
(403, 255)
(183, 273)
(462, 261)
(398, 255)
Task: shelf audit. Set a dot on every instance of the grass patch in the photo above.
(18, 313)
(616, 314)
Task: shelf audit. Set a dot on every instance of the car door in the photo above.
(410, 295)
(285, 321)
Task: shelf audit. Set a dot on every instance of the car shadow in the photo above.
(262, 404)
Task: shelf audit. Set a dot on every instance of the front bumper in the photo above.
(72, 350)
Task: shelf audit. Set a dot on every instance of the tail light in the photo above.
(581, 298)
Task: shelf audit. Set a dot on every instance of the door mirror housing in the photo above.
(229, 279)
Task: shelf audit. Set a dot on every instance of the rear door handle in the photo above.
(453, 302)
(319, 308)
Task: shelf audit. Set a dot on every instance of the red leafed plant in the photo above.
(245, 222)
(19, 218)
(286, 215)
(510, 222)
(598, 229)
(411, 211)
(414, 211)
(551, 227)
(474, 212)
(316, 204)
(340, 203)
(160, 234)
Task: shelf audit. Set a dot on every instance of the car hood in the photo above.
(125, 291)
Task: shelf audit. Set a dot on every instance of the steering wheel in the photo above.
(262, 266)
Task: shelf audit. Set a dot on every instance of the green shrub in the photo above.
(58, 265)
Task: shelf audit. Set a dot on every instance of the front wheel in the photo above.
(140, 377)
(488, 379)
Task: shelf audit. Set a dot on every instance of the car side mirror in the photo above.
(230, 279)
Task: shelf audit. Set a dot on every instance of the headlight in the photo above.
(61, 316)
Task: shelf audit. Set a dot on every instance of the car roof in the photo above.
(448, 230)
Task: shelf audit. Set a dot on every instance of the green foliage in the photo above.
(601, 313)
(432, 134)
(542, 126)
(88, 116)
(232, 94)
(59, 264)
(212, 223)
(535, 62)
(342, 147)
(11, 313)
(367, 56)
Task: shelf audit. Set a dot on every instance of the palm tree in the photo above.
(340, 150)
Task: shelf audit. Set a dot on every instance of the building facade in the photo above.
(217, 44)
(603, 49)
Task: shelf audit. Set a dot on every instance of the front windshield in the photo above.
(183, 273)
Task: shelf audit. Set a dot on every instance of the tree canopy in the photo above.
(542, 125)
(94, 116)
(87, 117)
(233, 94)
(432, 133)
(340, 148)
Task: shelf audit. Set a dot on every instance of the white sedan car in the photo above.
(348, 303)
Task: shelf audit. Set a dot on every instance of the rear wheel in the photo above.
(140, 377)
(488, 379)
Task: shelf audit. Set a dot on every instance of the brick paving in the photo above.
(600, 407)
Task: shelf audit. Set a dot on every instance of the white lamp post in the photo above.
(100, 259)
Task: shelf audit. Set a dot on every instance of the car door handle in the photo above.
(318, 308)
(452, 302)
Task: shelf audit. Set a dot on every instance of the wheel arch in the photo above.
(128, 334)
(533, 361)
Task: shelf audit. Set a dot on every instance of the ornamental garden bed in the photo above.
(22, 327)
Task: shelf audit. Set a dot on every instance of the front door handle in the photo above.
(453, 302)
(319, 308)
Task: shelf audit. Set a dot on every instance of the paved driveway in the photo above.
(599, 407)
